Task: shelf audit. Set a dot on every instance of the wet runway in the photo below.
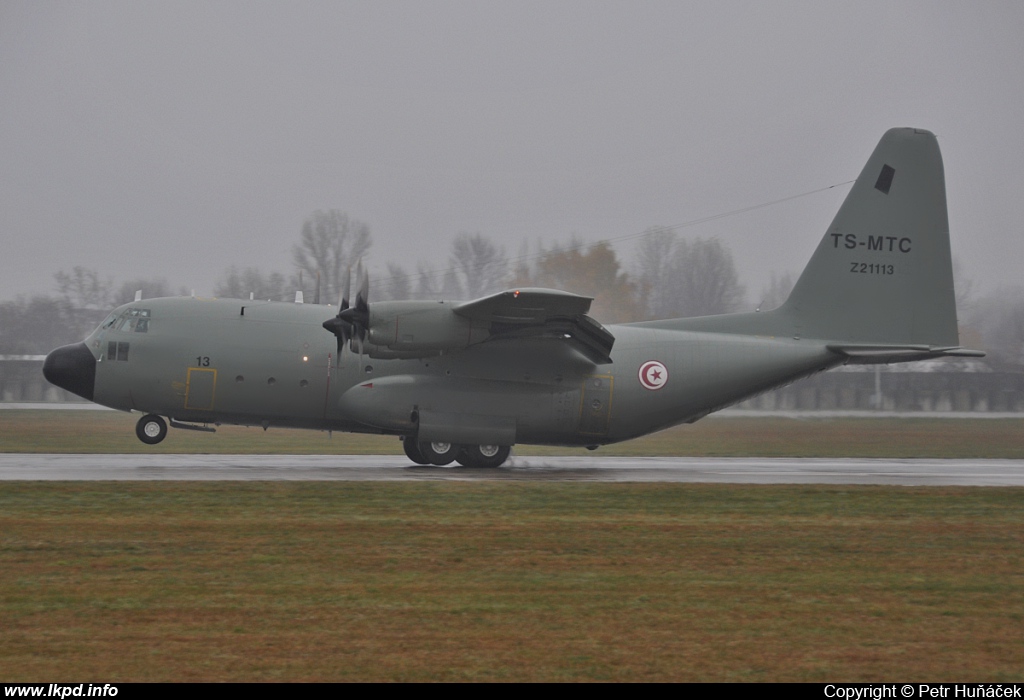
(177, 467)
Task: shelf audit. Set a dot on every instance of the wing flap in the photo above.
(542, 313)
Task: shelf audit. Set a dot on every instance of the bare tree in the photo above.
(39, 324)
(996, 323)
(964, 288)
(450, 287)
(396, 285)
(437, 284)
(480, 264)
(653, 270)
(427, 286)
(240, 284)
(86, 298)
(681, 277)
(775, 294)
(82, 288)
(151, 289)
(329, 243)
(705, 278)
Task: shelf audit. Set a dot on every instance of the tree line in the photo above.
(670, 276)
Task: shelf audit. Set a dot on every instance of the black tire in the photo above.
(151, 429)
(483, 456)
(439, 453)
(412, 451)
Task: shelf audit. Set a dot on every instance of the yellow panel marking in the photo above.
(196, 394)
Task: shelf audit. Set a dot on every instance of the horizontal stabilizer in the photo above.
(863, 353)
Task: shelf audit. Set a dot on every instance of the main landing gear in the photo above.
(441, 453)
(151, 429)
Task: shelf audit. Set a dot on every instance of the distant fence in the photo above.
(21, 379)
(936, 385)
(941, 385)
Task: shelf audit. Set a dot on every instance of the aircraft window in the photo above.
(109, 321)
(239, 379)
(303, 383)
(368, 369)
(271, 381)
(117, 351)
(142, 325)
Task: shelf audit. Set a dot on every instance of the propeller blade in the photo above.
(363, 295)
(345, 286)
(316, 295)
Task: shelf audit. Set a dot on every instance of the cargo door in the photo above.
(199, 389)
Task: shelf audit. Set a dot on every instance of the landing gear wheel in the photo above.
(412, 451)
(438, 453)
(151, 429)
(483, 456)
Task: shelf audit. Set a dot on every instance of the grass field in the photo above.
(114, 432)
(512, 581)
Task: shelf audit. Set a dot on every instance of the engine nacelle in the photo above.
(419, 328)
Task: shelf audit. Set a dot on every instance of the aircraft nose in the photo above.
(72, 367)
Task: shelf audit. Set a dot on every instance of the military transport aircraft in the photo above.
(467, 380)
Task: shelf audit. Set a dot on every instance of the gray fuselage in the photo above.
(272, 364)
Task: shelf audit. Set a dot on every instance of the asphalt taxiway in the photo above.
(180, 467)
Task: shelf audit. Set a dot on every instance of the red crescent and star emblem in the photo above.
(653, 375)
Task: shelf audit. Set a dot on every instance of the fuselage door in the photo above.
(199, 389)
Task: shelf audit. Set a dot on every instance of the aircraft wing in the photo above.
(542, 313)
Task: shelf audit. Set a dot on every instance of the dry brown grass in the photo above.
(510, 581)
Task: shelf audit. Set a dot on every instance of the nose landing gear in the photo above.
(151, 429)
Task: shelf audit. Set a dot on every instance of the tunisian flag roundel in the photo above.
(653, 375)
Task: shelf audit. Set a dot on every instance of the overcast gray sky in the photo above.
(174, 139)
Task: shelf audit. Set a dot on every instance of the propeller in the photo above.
(359, 315)
(339, 325)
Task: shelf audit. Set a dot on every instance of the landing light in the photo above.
(305, 358)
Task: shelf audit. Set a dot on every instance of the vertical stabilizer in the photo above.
(882, 273)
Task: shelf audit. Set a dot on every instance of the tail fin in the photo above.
(882, 275)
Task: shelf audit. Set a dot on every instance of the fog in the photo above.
(173, 140)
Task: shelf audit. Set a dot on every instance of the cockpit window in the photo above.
(132, 320)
